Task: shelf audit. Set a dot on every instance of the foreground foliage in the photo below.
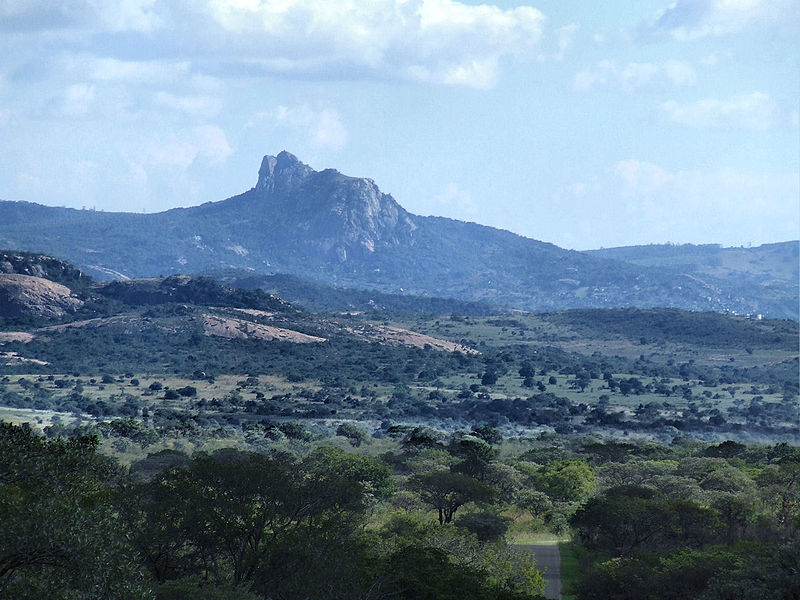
(230, 524)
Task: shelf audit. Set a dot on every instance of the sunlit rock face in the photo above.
(339, 216)
(29, 296)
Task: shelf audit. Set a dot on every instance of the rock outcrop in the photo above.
(30, 296)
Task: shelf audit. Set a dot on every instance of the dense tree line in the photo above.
(231, 524)
(717, 524)
(426, 520)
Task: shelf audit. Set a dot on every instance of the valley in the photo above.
(189, 391)
(191, 352)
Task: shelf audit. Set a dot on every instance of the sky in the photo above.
(584, 124)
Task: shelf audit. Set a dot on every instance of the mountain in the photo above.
(333, 229)
(770, 264)
(765, 276)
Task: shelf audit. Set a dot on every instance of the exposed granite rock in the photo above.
(27, 295)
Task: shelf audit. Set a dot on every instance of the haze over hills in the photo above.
(334, 229)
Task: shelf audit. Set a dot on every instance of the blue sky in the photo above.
(586, 124)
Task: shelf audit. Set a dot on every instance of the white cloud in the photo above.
(329, 131)
(431, 41)
(443, 42)
(635, 75)
(724, 187)
(39, 15)
(128, 15)
(147, 72)
(479, 74)
(693, 19)
(323, 128)
(680, 73)
(751, 111)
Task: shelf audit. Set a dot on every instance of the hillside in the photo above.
(767, 276)
(236, 359)
(318, 297)
(333, 229)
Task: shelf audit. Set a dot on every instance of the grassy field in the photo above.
(571, 554)
(535, 330)
(116, 390)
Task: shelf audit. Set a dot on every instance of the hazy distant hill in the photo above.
(333, 229)
(768, 262)
(318, 297)
(768, 275)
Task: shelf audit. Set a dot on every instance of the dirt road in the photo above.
(548, 560)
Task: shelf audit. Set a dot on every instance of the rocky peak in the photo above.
(331, 211)
(282, 173)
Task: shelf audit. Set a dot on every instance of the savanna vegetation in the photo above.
(175, 438)
(423, 514)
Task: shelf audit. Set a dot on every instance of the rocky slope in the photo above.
(33, 285)
(28, 296)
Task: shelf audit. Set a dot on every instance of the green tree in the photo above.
(262, 522)
(631, 519)
(486, 526)
(568, 480)
(538, 504)
(446, 491)
(59, 537)
(354, 434)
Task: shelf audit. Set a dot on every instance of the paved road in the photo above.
(548, 559)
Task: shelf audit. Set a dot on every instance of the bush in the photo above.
(486, 526)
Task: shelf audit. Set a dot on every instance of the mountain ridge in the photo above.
(339, 230)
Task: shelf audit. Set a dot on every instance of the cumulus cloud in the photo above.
(634, 75)
(750, 111)
(430, 41)
(438, 41)
(693, 19)
(40, 15)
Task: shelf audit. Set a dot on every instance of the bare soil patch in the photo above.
(229, 327)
